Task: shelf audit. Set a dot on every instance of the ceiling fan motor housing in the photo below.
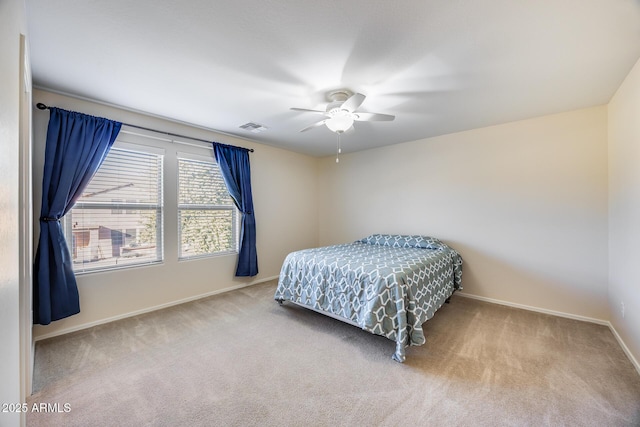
(339, 95)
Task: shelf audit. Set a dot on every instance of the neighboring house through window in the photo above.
(106, 232)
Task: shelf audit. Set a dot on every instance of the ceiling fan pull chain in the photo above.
(339, 150)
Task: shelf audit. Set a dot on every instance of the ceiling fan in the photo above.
(341, 112)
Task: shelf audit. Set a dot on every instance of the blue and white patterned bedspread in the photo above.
(386, 284)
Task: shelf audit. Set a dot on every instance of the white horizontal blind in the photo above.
(207, 216)
(118, 219)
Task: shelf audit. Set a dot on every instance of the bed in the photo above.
(387, 285)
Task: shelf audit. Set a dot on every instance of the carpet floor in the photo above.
(240, 359)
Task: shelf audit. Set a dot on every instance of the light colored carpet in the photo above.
(241, 359)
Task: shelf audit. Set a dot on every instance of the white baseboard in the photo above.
(633, 360)
(150, 309)
(539, 310)
(626, 350)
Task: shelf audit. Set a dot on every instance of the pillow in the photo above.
(400, 241)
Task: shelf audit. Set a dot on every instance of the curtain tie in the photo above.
(48, 219)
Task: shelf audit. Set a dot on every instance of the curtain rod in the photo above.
(42, 106)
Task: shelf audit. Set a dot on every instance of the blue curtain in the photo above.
(76, 146)
(234, 166)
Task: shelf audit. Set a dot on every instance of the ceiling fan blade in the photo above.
(373, 117)
(316, 124)
(309, 111)
(353, 102)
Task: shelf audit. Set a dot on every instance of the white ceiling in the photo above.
(439, 66)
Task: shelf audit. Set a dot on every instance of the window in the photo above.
(121, 218)
(118, 219)
(207, 216)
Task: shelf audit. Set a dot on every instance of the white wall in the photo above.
(12, 24)
(525, 203)
(624, 210)
(284, 191)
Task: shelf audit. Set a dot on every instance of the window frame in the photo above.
(168, 242)
(235, 213)
(118, 209)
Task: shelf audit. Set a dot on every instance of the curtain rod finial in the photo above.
(41, 106)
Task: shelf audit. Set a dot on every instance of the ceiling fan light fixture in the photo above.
(340, 121)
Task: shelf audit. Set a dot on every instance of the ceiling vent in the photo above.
(253, 127)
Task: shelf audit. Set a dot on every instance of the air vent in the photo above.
(253, 127)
